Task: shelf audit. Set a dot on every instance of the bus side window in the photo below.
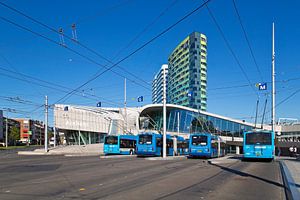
(158, 142)
(169, 143)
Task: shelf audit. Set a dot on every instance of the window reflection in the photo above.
(191, 122)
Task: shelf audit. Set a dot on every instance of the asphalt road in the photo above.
(58, 177)
(12, 153)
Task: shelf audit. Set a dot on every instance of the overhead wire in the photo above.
(78, 43)
(16, 70)
(59, 88)
(230, 49)
(132, 53)
(53, 41)
(247, 39)
(107, 69)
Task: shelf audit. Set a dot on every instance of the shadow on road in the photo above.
(244, 174)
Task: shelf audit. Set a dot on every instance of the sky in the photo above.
(34, 64)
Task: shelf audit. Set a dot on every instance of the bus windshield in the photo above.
(199, 140)
(111, 140)
(259, 138)
(145, 139)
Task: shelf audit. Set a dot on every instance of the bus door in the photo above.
(169, 146)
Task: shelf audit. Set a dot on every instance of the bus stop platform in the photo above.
(290, 169)
(69, 150)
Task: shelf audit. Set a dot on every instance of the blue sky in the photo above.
(108, 27)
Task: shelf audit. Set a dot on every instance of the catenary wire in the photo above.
(230, 49)
(247, 39)
(77, 42)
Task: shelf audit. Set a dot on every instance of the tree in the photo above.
(14, 134)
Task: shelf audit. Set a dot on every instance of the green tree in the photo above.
(14, 134)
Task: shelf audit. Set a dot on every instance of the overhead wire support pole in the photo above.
(6, 132)
(164, 115)
(125, 111)
(273, 78)
(46, 124)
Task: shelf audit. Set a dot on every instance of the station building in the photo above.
(88, 125)
(81, 125)
(183, 120)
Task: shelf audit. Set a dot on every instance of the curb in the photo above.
(291, 191)
(167, 158)
(31, 153)
(116, 156)
(81, 155)
(40, 153)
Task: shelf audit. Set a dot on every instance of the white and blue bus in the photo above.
(150, 144)
(259, 144)
(206, 145)
(120, 144)
(182, 146)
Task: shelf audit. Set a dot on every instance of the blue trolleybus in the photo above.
(259, 144)
(182, 146)
(120, 144)
(206, 145)
(150, 144)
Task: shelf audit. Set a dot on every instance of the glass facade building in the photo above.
(187, 77)
(157, 84)
(186, 120)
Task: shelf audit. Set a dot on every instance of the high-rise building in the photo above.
(187, 68)
(157, 84)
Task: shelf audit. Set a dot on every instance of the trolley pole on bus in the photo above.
(164, 115)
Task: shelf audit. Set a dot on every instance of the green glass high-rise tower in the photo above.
(188, 72)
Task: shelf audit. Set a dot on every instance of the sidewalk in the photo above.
(291, 174)
(71, 150)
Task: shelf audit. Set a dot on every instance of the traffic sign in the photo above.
(262, 86)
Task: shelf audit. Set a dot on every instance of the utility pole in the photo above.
(125, 111)
(6, 132)
(164, 115)
(54, 131)
(46, 124)
(178, 123)
(273, 80)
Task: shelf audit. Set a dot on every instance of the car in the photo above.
(51, 141)
(2, 144)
